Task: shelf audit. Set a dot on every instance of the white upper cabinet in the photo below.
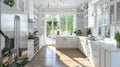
(112, 15)
(91, 19)
(118, 12)
(20, 5)
(33, 11)
(91, 16)
(114, 12)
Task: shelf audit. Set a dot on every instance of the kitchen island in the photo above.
(66, 42)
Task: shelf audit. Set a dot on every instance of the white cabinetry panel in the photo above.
(66, 42)
(30, 49)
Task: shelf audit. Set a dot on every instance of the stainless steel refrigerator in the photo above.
(15, 26)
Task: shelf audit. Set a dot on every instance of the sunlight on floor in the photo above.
(73, 61)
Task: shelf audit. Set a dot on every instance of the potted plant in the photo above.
(76, 32)
(88, 32)
(9, 2)
(117, 38)
(35, 32)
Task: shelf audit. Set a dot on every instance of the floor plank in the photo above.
(49, 56)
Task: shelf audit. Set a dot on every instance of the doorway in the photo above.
(52, 26)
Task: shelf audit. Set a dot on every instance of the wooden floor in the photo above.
(49, 56)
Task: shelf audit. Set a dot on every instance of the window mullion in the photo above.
(66, 24)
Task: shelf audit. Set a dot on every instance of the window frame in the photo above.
(102, 18)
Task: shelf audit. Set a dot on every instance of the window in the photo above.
(67, 24)
(102, 19)
(61, 22)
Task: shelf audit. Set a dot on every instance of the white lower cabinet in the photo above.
(112, 58)
(102, 57)
(80, 46)
(107, 59)
(83, 45)
(105, 55)
(96, 55)
(67, 42)
(100, 54)
(89, 51)
(30, 49)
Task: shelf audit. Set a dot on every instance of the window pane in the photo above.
(99, 31)
(63, 23)
(107, 31)
(55, 22)
(70, 23)
(49, 24)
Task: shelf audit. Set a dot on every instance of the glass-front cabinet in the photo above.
(112, 14)
(118, 13)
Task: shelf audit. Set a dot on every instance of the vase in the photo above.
(89, 35)
(118, 44)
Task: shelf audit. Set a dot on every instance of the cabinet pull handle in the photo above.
(64, 38)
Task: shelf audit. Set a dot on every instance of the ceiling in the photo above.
(61, 3)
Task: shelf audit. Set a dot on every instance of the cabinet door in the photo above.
(59, 42)
(83, 42)
(89, 50)
(118, 12)
(91, 19)
(30, 49)
(31, 9)
(96, 55)
(115, 58)
(112, 14)
(102, 57)
(81, 45)
(29, 52)
(66, 42)
(107, 59)
(72, 42)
